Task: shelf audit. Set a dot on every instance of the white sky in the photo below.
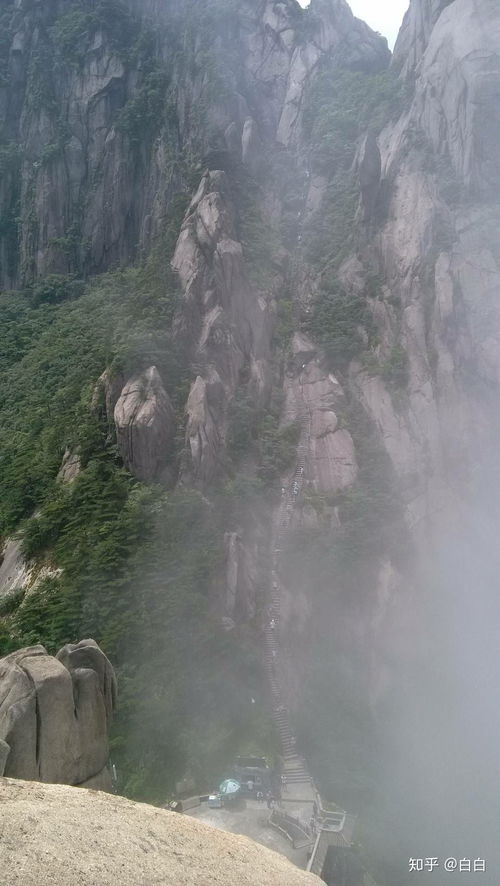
(382, 15)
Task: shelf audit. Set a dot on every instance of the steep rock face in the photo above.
(426, 384)
(313, 397)
(437, 253)
(415, 32)
(76, 171)
(108, 388)
(432, 247)
(18, 575)
(456, 102)
(333, 29)
(227, 323)
(14, 571)
(242, 577)
(55, 714)
(145, 424)
(70, 467)
(370, 167)
(92, 182)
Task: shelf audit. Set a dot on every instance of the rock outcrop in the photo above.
(70, 467)
(313, 397)
(55, 714)
(145, 424)
(14, 571)
(370, 167)
(226, 322)
(334, 29)
(242, 575)
(436, 251)
(54, 834)
(88, 199)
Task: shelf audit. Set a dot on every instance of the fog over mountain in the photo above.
(249, 272)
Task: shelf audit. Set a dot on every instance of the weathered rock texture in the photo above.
(55, 714)
(243, 573)
(53, 834)
(429, 186)
(14, 571)
(226, 322)
(313, 397)
(17, 576)
(70, 467)
(145, 424)
(425, 261)
(437, 252)
(88, 198)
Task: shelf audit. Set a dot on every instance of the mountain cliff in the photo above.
(243, 249)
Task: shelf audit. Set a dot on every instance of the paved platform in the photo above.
(250, 819)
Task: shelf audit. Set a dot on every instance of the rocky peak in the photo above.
(55, 714)
(145, 424)
(225, 320)
(362, 49)
(415, 32)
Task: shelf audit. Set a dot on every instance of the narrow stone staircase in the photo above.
(295, 768)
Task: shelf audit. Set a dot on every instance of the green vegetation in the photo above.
(257, 433)
(335, 119)
(395, 368)
(285, 325)
(5, 40)
(337, 560)
(138, 103)
(10, 157)
(134, 567)
(259, 239)
(10, 173)
(340, 107)
(337, 323)
(338, 563)
(138, 567)
(74, 30)
(142, 116)
(138, 564)
(59, 344)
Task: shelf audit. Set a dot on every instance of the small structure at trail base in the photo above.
(229, 789)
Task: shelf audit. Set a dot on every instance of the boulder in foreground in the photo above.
(64, 836)
(55, 714)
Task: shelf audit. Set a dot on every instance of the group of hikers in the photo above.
(269, 797)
